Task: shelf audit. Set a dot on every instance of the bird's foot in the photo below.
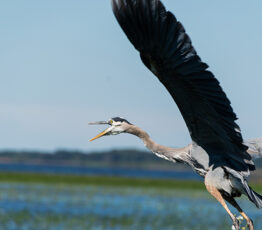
(250, 224)
(236, 224)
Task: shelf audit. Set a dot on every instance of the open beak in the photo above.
(105, 132)
(102, 134)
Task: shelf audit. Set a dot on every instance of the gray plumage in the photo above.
(254, 147)
(217, 152)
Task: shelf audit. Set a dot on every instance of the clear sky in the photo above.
(65, 63)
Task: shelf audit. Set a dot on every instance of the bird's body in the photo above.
(217, 152)
(222, 183)
(198, 159)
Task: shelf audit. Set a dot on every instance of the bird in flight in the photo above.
(217, 152)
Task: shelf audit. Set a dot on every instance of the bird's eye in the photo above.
(111, 122)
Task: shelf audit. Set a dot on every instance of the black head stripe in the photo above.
(119, 119)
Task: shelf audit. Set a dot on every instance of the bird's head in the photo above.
(117, 125)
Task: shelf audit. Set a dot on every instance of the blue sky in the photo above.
(66, 63)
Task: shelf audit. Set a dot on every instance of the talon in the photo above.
(236, 224)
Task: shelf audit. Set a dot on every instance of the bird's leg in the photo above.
(233, 202)
(215, 193)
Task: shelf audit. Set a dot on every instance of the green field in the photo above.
(105, 181)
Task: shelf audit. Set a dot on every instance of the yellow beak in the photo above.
(101, 134)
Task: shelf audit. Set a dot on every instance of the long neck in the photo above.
(172, 154)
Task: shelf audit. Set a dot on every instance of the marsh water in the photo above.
(84, 207)
(78, 170)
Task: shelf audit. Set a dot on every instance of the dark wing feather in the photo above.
(167, 51)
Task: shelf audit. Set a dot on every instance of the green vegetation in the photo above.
(97, 180)
(104, 181)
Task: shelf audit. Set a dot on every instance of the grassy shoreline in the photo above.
(104, 181)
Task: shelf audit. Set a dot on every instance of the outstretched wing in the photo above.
(166, 50)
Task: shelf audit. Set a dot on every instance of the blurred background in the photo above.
(67, 63)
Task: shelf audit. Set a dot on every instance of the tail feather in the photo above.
(253, 196)
(258, 198)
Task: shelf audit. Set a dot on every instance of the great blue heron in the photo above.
(217, 151)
